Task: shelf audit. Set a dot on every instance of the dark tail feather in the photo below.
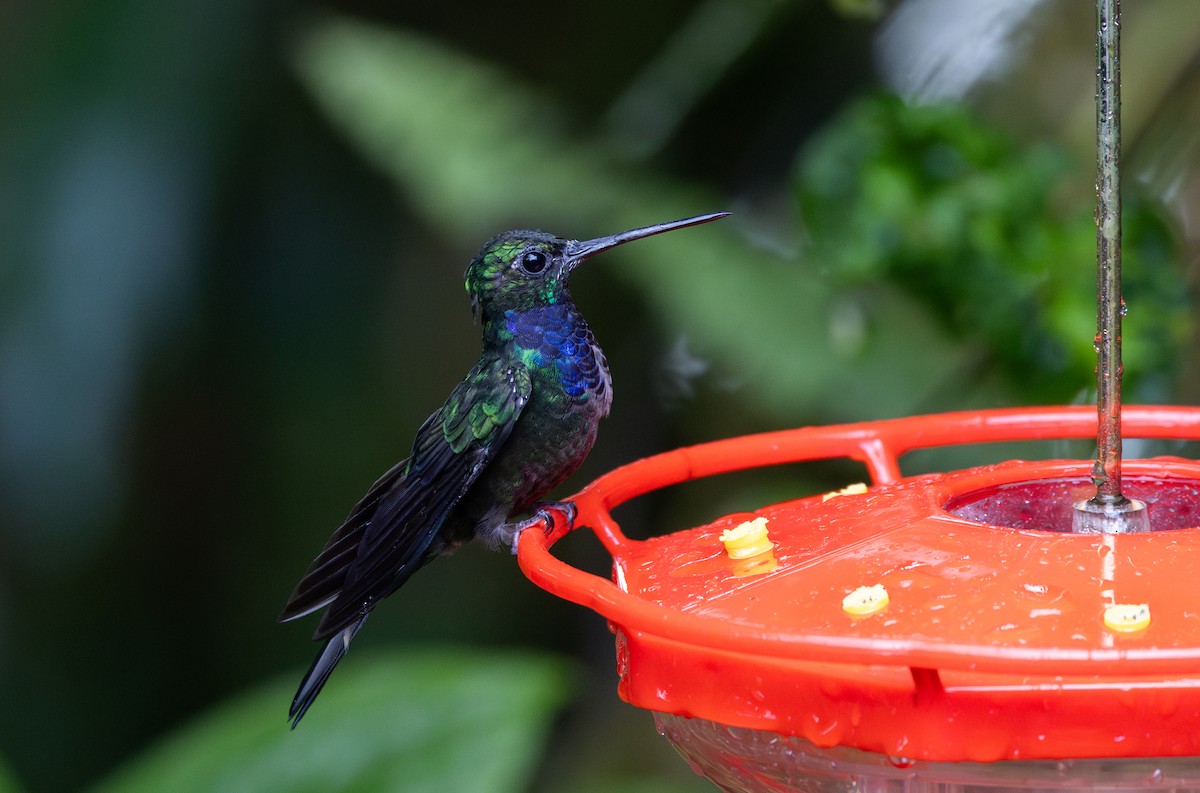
(320, 670)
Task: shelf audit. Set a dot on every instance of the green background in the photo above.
(232, 236)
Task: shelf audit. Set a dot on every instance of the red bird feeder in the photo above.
(1006, 648)
(1014, 627)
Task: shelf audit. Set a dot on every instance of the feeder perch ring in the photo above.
(994, 643)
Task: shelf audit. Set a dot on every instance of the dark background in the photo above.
(222, 315)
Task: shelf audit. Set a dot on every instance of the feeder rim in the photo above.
(878, 445)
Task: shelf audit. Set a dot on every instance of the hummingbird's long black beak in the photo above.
(578, 251)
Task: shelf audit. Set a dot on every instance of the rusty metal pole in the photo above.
(1109, 511)
(1107, 472)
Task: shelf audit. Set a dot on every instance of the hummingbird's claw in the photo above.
(549, 509)
(548, 514)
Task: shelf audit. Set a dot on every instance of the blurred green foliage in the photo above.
(974, 227)
(8, 782)
(231, 245)
(420, 721)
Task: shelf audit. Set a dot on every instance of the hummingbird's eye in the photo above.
(533, 262)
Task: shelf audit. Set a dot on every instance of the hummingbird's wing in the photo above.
(388, 533)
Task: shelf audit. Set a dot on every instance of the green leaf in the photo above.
(417, 721)
(986, 239)
(8, 780)
(471, 147)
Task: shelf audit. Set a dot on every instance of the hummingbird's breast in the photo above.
(558, 347)
(572, 392)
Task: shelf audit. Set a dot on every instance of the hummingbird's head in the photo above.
(518, 270)
(522, 270)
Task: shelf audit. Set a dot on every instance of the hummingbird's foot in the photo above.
(547, 513)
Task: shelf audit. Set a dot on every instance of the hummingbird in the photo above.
(521, 421)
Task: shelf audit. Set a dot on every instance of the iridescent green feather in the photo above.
(490, 397)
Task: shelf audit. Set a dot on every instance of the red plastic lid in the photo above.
(994, 642)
